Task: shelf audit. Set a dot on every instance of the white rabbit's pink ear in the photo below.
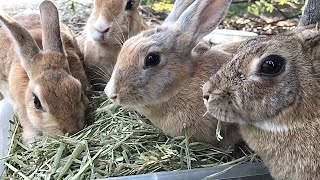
(178, 8)
(51, 38)
(202, 17)
(25, 45)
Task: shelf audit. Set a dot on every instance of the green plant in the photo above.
(148, 2)
(160, 5)
(261, 6)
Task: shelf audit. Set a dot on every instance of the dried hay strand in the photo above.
(118, 143)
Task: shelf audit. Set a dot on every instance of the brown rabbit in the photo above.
(109, 25)
(159, 74)
(271, 88)
(46, 87)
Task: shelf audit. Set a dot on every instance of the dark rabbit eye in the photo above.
(129, 5)
(152, 59)
(272, 65)
(37, 103)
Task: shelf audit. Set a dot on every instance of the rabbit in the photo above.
(41, 73)
(159, 72)
(271, 89)
(109, 25)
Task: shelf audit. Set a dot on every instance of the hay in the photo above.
(118, 143)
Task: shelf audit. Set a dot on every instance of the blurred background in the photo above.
(259, 16)
(264, 17)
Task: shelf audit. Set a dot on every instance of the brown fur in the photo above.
(166, 93)
(288, 103)
(100, 56)
(182, 109)
(46, 74)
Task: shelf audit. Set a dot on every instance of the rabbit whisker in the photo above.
(99, 73)
(105, 72)
(117, 38)
(104, 84)
(206, 114)
(98, 79)
(128, 29)
(109, 73)
(119, 41)
(124, 39)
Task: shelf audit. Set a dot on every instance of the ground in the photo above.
(76, 14)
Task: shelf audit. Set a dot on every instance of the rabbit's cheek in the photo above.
(35, 116)
(47, 124)
(108, 38)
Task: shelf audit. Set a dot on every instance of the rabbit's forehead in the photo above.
(161, 36)
(59, 87)
(107, 6)
(142, 43)
(132, 49)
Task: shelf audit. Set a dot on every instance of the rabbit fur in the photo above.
(42, 74)
(167, 91)
(278, 113)
(109, 25)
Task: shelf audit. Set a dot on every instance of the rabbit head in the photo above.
(108, 22)
(269, 83)
(153, 65)
(54, 100)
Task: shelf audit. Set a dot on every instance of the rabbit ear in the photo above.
(308, 34)
(51, 38)
(200, 18)
(26, 46)
(178, 8)
(312, 37)
(311, 13)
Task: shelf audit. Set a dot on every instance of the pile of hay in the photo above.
(118, 143)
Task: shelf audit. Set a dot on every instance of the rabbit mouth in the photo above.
(101, 37)
(224, 113)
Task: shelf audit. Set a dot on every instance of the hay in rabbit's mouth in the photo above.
(118, 143)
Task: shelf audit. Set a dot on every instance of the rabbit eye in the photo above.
(152, 59)
(129, 5)
(37, 103)
(272, 65)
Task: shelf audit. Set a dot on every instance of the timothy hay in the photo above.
(118, 143)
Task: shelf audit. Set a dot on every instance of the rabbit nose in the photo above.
(206, 97)
(102, 25)
(113, 97)
(103, 30)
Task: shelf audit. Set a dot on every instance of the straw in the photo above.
(119, 142)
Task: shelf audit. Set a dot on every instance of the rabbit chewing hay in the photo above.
(218, 129)
(114, 127)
